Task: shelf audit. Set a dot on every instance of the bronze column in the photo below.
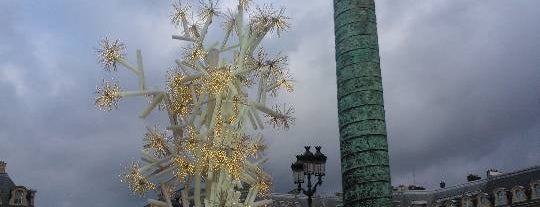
(364, 149)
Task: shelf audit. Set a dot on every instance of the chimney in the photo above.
(492, 173)
(2, 167)
(473, 177)
(442, 184)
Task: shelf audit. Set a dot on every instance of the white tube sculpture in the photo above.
(208, 156)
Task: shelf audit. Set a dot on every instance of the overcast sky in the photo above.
(461, 81)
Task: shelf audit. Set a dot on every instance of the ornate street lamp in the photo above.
(320, 163)
(298, 171)
(306, 165)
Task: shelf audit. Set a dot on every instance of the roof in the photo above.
(507, 181)
(472, 187)
(6, 185)
(290, 200)
(410, 196)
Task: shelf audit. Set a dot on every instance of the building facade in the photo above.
(519, 188)
(292, 200)
(12, 195)
(287, 200)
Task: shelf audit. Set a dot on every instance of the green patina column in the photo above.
(364, 149)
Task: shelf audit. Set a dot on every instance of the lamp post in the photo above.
(307, 165)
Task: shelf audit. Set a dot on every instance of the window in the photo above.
(467, 202)
(450, 203)
(19, 195)
(500, 197)
(519, 194)
(483, 201)
(536, 190)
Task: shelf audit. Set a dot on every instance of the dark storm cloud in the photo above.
(461, 84)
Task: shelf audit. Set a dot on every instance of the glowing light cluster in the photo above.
(138, 183)
(110, 53)
(264, 183)
(284, 118)
(184, 168)
(217, 81)
(178, 13)
(194, 53)
(108, 96)
(269, 19)
(155, 141)
(180, 94)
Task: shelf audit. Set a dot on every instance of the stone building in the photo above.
(12, 195)
(292, 200)
(519, 188)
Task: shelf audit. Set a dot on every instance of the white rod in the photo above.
(265, 109)
(226, 38)
(128, 66)
(257, 118)
(252, 119)
(185, 25)
(141, 70)
(184, 38)
(206, 25)
(139, 93)
(156, 100)
(157, 203)
(230, 48)
(197, 195)
(166, 194)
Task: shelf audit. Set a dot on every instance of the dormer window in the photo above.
(450, 203)
(483, 200)
(518, 194)
(535, 189)
(19, 196)
(467, 202)
(500, 197)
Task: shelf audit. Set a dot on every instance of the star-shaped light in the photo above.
(179, 94)
(110, 52)
(284, 119)
(156, 141)
(138, 183)
(108, 96)
(178, 14)
(209, 8)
